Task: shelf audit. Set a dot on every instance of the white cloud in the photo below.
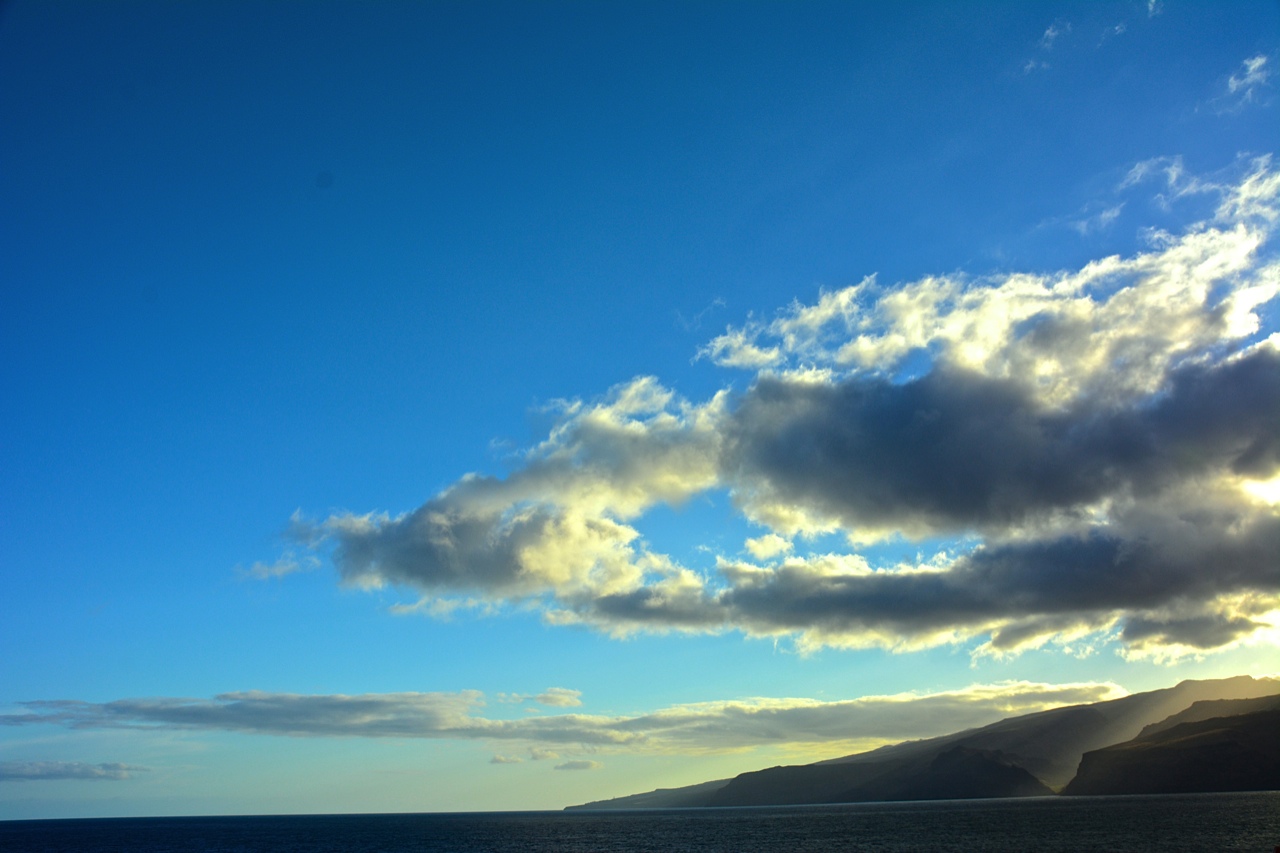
(1253, 75)
(1065, 333)
(1099, 221)
(1068, 424)
(559, 697)
(556, 697)
(1246, 86)
(287, 564)
(579, 765)
(768, 546)
(737, 348)
(1055, 31)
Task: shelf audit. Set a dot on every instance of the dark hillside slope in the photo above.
(1047, 746)
(1239, 753)
(1211, 708)
(952, 774)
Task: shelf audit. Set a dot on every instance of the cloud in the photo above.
(1252, 75)
(506, 759)
(1023, 592)
(1099, 221)
(557, 522)
(34, 771)
(714, 726)
(737, 348)
(768, 546)
(579, 765)
(287, 564)
(957, 450)
(1088, 443)
(1055, 31)
(1245, 86)
(703, 727)
(559, 697)
(369, 715)
(690, 325)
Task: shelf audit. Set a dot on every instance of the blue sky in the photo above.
(498, 406)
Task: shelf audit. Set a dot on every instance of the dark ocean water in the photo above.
(1213, 823)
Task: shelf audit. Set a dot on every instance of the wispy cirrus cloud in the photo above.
(1246, 86)
(1253, 75)
(287, 564)
(703, 727)
(1052, 34)
(1099, 221)
(1055, 31)
(43, 771)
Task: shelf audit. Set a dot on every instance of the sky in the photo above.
(486, 406)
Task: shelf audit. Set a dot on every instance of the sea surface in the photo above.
(1213, 823)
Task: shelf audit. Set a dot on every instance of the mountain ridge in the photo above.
(1236, 753)
(1047, 746)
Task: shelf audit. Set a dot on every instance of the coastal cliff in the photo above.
(1239, 753)
(1030, 755)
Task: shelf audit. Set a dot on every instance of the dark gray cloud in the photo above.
(1133, 571)
(709, 726)
(1087, 579)
(440, 545)
(950, 452)
(1207, 631)
(34, 771)
(955, 451)
(1100, 449)
(381, 715)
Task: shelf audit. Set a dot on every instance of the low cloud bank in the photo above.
(35, 771)
(702, 727)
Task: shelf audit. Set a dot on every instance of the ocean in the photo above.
(1212, 823)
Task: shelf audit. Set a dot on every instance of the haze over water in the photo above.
(1199, 823)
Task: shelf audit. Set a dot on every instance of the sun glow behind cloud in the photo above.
(1267, 491)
